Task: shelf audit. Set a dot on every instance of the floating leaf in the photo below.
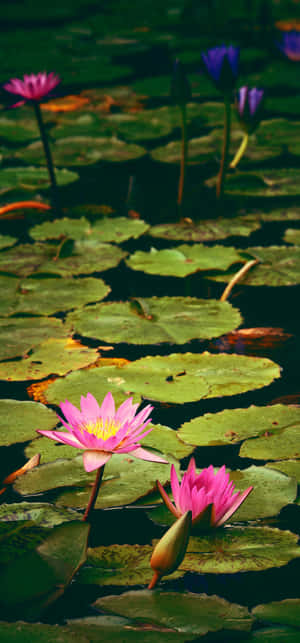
(49, 296)
(6, 241)
(125, 480)
(48, 568)
(175, 378)
(8, 289)
(210, 230)
(289, 467)
(18, 132)
(81, 150)
(155, 320)
(118, 565)
(24, 259)
(234, 425)
(32, 178)
(274, 635)
(283, 612)
(40, 513)
(266, 183)
(19, 335)
(115, 230)
(118, 229)
(183, 260)
(192, 614)
(280, 443)
(60, 228)
(292, 236)
(87, 256)
(19, 420)
(53, 356)
(278, 266)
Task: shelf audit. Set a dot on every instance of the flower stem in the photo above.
(94, 494)
(155, 578)
(226, 141)
(241, 151)
(184, 152)
(48, 155)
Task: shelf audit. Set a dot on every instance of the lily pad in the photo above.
(235, 425)
(175, 378)
(280, 443)
(265, 183)
(125, 480)
(292, 236)
(118, 565)
(183, 260)
(86, 257)
(81, 150)
(283, 612)
(19, 420)
(49, 296)
(275, 635)
(30, 179)
(231, 550)
(210, 230)
(155, 320)
(278, 266)
(24, 259)
(115, 230)
(51, 357)
(8, 289)
(18, 132)
(48, 569)
(289, 467)
(19, 335)
(192, 614)
(6, 241)
(40, 513)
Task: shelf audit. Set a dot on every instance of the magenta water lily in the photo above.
(32, 89)
(210, 495)
(102, 430)
(290, 45)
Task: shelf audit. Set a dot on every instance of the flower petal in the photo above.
(63, 437)
(95, 459)
(235, 505)
(142, 454)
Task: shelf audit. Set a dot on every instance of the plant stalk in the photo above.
(94, 494)
(241, 151)
(226, 141)
(48, 155)
(184, 153)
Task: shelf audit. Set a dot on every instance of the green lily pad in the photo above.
(175, 378)
(276, 132)
(85, 257)
(125, 480)
(183, 260)
(278, 266)
(24, 259)
(118, 565)
(281, 443)
(115, 230)
(51, 357)
(18, 132)
(210, 230)
(81, 150)
(72, 124)
(8, 289)
(30, 179)
(48, 568)
(155, 320)
(292, 235)
(289, 467)
(231, 550)
(40, 513)
(200, 150)
(274, 635)
(283, 612)
(278, 214)
(192, 614)
(19, 420)
(235, 425)
(6, 241)
(265, 183)
(20, 334)
(49, 296)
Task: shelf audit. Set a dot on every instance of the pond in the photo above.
(142, 270)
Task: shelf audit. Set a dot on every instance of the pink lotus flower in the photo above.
(101, 430)
(209, 495)
(33, 87)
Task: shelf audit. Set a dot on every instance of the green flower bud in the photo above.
(170, 549)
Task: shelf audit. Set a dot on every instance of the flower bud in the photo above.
(170, 549)
(249, 103)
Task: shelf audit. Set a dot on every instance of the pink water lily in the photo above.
(33, 87)
(101, 430)
(209, 495)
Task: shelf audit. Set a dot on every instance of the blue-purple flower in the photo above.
(222, 64)
(250, 106)
(290, 45)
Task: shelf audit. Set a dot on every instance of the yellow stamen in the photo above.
(102, 430)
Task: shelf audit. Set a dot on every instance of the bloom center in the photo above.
(103, 429)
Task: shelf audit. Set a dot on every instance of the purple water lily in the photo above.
(290, 45)
(250, 105)
(221, 64)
